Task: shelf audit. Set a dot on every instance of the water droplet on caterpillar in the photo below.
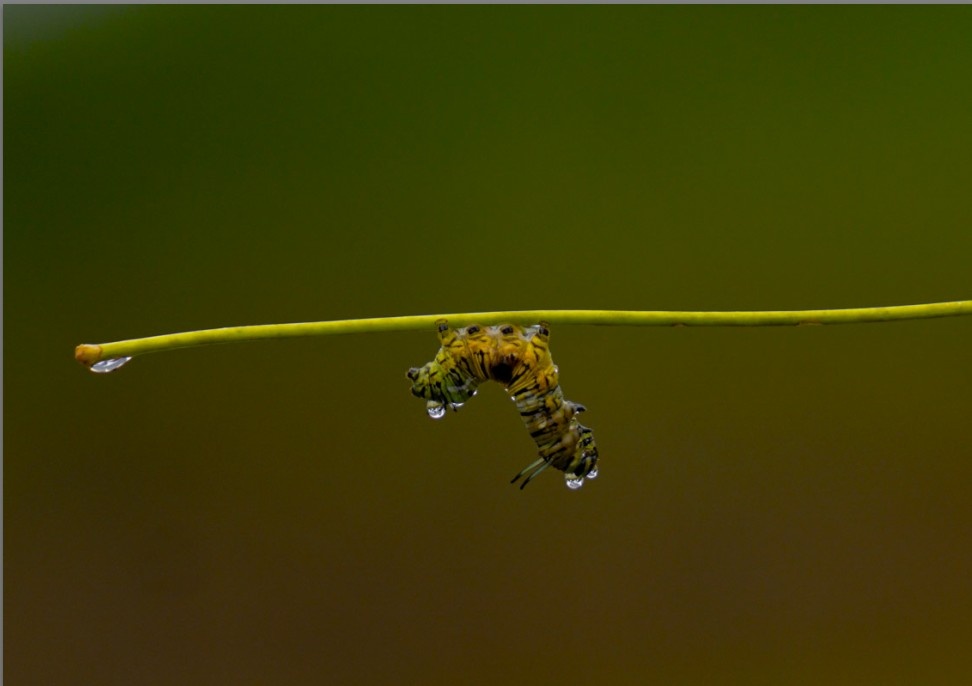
(574, 482)
(592, 474)
(435, 410)
(111, 365)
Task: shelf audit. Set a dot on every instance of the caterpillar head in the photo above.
(423, 386)
(441, 386)
(419, 376)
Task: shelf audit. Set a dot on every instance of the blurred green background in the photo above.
(775, 505)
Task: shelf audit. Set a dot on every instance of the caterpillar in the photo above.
(519, 358)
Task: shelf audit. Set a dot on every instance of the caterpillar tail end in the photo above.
(532, 470)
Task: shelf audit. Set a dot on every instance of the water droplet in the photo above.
(455, 406)
(592, 474)
(111, 365)
(574, 482)
(435, 410)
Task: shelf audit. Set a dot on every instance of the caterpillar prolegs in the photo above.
(519, 358)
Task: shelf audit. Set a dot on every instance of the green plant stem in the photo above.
(89, 354)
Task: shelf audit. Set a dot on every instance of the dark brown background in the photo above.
(775, 506)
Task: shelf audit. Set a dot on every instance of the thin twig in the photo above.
(90, 354)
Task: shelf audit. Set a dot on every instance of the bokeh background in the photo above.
(775, 505)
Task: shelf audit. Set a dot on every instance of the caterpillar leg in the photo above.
(534, 468)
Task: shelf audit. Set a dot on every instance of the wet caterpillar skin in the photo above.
(519, 358)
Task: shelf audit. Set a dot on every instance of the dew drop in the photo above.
(574, 482)
(435, 410)
(455, 406)
(592, 474)
(111, 365)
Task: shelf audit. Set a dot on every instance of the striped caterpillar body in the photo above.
(519, 358)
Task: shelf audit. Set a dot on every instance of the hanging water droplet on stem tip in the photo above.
(105, 366)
